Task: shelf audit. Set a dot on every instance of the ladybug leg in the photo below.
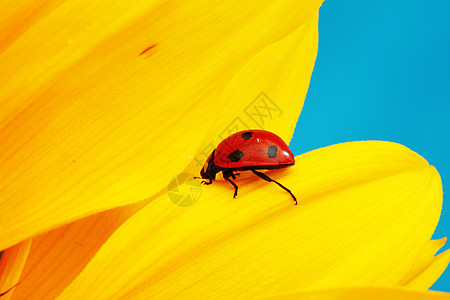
(233, 175)
(206, 182)
(227, 175)
(267, 178)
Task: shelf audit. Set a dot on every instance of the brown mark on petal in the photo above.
(147, 49)
(8, 290)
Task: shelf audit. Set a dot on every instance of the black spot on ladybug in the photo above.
(236, 156)
(272, 151)
(246, 135)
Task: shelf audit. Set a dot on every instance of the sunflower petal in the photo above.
(432, 272)
(19, 16)
(366, 210)
(12, 262)
(103, 111)
(425, 258)
(268, 92)
(367, 293)
(56, 257)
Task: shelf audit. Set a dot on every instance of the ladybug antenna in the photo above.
(267, 178)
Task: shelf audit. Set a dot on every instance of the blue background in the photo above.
(383, 73)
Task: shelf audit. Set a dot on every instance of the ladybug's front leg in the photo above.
(206, 182)
(227, 175)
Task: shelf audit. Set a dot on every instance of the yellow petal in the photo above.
(18, 16)
(366, 210)
(268, 92)
(368, 293)
(426, 257)
(12, 262)
(432, 272)
(102, 110)
(300, 47)
(56, 257)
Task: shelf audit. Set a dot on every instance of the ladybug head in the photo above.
(209, 169)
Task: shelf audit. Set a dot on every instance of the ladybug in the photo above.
(248, 150)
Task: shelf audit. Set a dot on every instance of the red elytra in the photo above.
(248, 150)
